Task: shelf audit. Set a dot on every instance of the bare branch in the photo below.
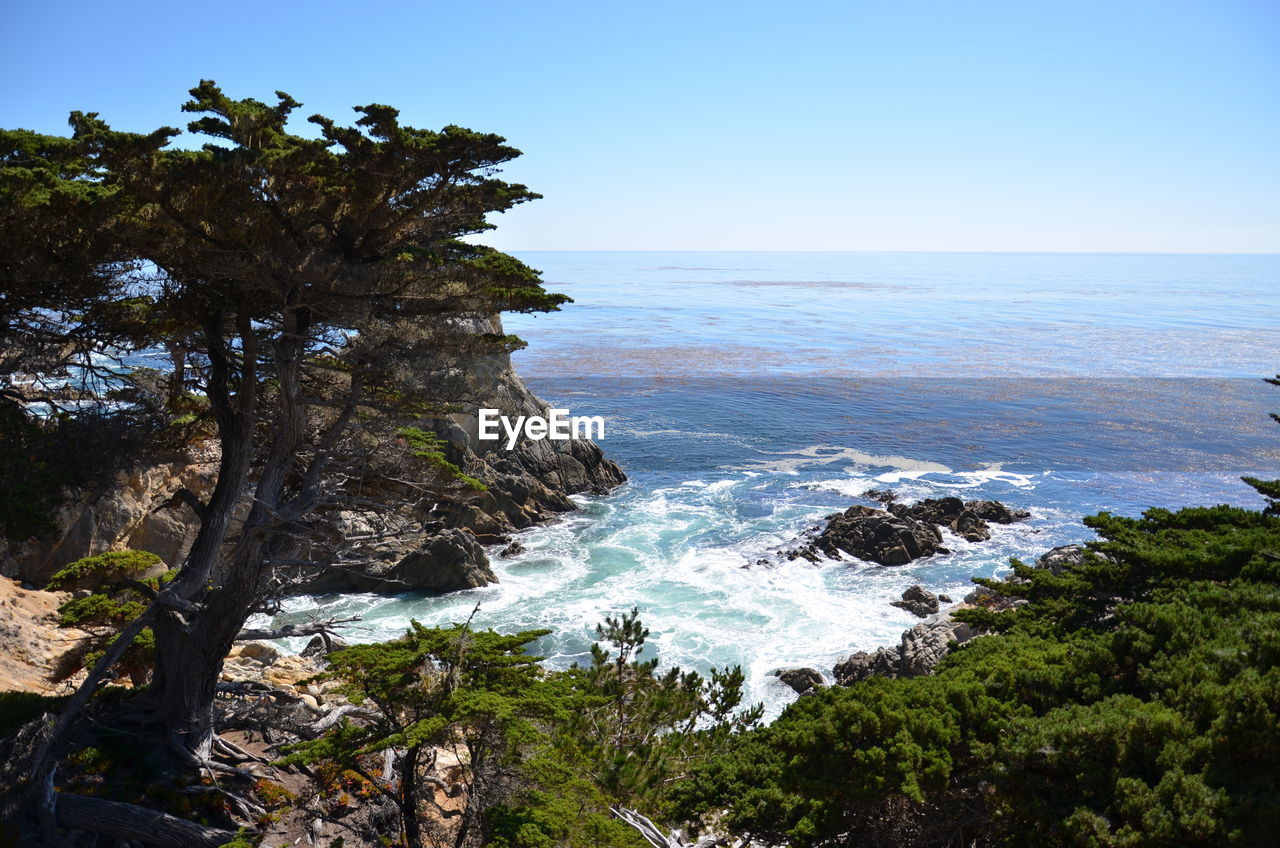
(318, 628)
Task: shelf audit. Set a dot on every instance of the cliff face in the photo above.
(130, 513)
(529, 483)
(413, 548)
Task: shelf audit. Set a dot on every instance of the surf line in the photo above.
(559, 425)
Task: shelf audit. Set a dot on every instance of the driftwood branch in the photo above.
(321, 628)
(650, 831)
(337, 713)
(450, 790)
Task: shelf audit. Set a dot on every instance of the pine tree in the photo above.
(313, 294)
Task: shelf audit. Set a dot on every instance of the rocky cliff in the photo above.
(434, 547)
(130, 512)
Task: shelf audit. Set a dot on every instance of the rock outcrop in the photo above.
(920, 649)
(968, 520)
(901, 533)
(261, 662)
(918, 601)
(1064, 557)
(874, 535)
(448, 560)
(129, 513)
(801, 680)
(923, 646)
(528, 484)
(31, 642)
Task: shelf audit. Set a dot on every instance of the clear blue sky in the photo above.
(1022, 125)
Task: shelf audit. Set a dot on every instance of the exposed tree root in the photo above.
(127, 821)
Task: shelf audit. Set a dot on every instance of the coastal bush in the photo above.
(1133, 700)
(112, 589)
(546, 754)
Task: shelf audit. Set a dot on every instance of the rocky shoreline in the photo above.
(923, 646)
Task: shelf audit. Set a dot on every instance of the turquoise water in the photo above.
(749, 394)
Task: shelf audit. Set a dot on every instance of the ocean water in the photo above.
(747, 395)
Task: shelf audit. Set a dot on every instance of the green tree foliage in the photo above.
(546, 753)
(640, 728)
(110, 590)
(427, 446)
(65, 267)
(31, 487)
(626, 733)
(473, 692)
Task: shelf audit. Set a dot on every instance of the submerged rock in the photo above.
(918, 601)
(997, 512)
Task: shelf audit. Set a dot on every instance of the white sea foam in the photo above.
(687, 556)
(849, 486)
(792, 462)
(992, 473)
